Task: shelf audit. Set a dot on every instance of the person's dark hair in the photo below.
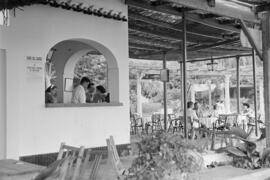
(50, 88)
(189, 104)
(85, 80)
(101, 89)
(246, 104)
(90, 85)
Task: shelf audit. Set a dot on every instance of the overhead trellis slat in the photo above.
(191, 16)
(169, 26)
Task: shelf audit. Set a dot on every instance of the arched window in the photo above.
(68, 61)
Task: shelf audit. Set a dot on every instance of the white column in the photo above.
(261, 99)
(209, 94)
(139, 95)
(3, 104)
(192, 93)
(227, 93)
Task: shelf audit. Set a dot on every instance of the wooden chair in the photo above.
(73, 158)
(72, 163)
(89, 169)
(114, 159)
(156, 122)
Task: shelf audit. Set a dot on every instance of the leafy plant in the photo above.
(246, 156)
(165, 157)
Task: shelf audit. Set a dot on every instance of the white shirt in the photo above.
(193, 116)
(78, 95)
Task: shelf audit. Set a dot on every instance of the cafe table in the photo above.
(17, 170)
(208, 121)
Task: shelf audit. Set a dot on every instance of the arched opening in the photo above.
(72, 59)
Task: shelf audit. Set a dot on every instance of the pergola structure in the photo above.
(187, 30)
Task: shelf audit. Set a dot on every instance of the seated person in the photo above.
(50, 95)
(249, 113)
(247, 110)
(100, 95)
(90, 93)
(79, 93)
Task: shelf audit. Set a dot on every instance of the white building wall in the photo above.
(2, 103)
(34, 129)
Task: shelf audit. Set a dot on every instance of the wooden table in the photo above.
(17, 170)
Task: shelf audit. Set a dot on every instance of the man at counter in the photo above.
(79, 93)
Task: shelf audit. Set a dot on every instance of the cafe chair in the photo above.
(221, 123)
(174, 123)
(156, 122)
(136, 123)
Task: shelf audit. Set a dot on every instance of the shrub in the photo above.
(165, 157)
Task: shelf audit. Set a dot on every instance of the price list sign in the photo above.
(34, 66)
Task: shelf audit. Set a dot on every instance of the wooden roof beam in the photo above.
(191, 17)
(177, 27)
(202, 47)
(169, 36)
(153, 42)
(197, 48)
(146, 47)
(175, 37)
(223, 8)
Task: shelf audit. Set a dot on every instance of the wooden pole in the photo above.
(184, 53)
(255, 89)
(266, 71)
(165, 94)
(238, 83)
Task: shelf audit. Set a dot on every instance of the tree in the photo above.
(94, 67)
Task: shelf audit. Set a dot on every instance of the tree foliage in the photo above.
(94, 67)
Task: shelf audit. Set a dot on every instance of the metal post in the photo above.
(255, 89)
(266, 71)
(238, 83)
(184, 53)
(165, 94)
(182, 86)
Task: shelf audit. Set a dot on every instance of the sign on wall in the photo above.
(34, 66)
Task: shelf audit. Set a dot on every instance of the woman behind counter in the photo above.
(100, 95)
